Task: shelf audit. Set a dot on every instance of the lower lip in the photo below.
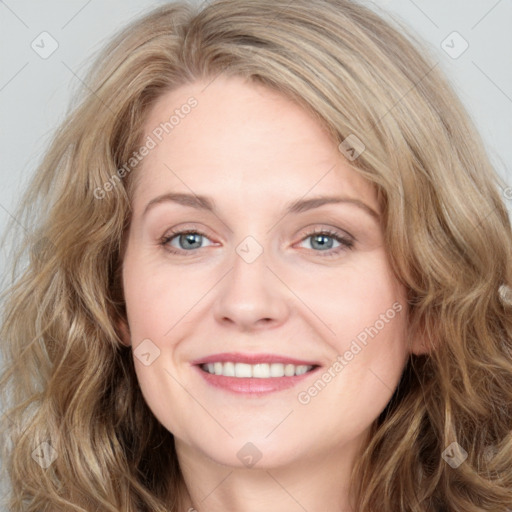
(252, 385)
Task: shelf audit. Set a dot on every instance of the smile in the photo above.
(253, 374)
(258, 371)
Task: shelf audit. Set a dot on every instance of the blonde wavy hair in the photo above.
(70, 382)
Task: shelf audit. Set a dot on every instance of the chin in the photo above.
(255, 453)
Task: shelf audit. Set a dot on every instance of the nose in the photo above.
(251, 296)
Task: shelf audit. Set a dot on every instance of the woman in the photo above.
(339, 334)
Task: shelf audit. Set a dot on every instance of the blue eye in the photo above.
(187, 239)
(321, 242)
(322, 239)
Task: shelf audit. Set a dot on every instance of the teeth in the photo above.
(260, 370)
(289, 370)
(243, 370)
(276, 370)
(228, 369)
(301, 369)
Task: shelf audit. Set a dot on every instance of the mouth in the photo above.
(253, 374)
(257, 371)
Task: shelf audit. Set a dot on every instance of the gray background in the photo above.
(35, 91)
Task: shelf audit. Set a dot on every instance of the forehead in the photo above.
(245, 139)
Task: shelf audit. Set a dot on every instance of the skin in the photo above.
(239, 146)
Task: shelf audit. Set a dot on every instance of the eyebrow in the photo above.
(298, 206)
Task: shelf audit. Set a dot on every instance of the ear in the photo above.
(124, 332)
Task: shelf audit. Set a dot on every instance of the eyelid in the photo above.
(321, 228)
(187, 227)
(306, 231)
(174, 232)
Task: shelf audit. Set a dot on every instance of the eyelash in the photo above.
(346, 242)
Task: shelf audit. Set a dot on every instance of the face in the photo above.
(232, 294)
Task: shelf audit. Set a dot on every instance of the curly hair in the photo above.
(69, 386)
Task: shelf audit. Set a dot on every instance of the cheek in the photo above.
(155, 302)
(365, 309)
(353, 298)
(363, 375)
(154, 295)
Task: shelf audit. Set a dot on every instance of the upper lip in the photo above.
(237, 357)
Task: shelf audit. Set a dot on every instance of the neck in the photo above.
(318, 483)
